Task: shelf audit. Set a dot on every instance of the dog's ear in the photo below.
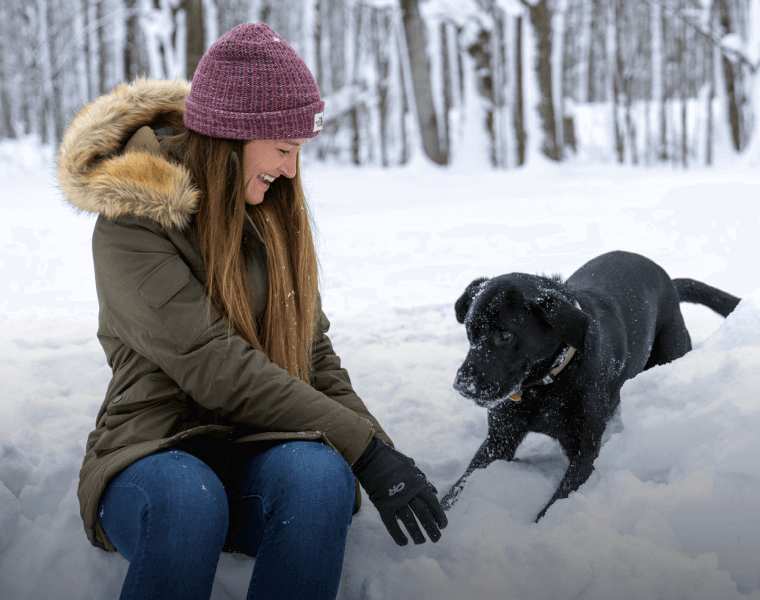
(562, 316)
(465, 300)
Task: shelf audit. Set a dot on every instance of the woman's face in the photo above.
(265, 161)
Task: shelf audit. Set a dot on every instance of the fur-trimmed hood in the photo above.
(98, 173)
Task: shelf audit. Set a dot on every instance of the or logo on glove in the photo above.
(378, 469)
(396, 489)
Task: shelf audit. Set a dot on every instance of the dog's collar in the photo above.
(549, 377)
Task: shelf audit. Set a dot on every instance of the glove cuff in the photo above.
(366, 456)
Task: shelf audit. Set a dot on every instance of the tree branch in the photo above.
(713, 37)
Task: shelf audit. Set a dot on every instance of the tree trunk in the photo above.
(196, 35)
(48, 100)
(355, 80)
(541, 19)
(318, 49)
(338, 58)
(81, 11)
(683, 85)
(753, 46)
(732, 80)
(519, 116)
(407, 92)
(131, 50)
(381, 29)
(414, 28)
(446, 86)
(94, 30)
(714, 54)
(613, 77)
(102, 55)
(557, 58)
(658, 91)
(582, 91)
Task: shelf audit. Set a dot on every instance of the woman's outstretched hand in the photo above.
(397, 488)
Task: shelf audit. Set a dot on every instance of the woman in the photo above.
(228, 423)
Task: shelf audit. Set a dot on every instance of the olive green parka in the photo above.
(180, 379)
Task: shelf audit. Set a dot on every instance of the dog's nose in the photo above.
(466, 380)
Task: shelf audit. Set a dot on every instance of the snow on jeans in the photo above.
(290, 506)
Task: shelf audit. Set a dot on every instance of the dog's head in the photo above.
(514, 323)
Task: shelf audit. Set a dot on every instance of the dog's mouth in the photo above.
(489, 400)
(515, 397)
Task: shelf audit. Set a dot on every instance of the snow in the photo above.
(672, 509)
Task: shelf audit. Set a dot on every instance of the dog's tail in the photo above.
(697, 292)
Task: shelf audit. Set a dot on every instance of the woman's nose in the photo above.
(288, 167)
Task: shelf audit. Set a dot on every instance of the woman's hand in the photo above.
(397, 488)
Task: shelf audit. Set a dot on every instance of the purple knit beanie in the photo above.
(251, 85)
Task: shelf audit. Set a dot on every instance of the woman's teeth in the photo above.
(267, 178)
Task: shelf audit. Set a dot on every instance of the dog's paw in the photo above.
(450, 498)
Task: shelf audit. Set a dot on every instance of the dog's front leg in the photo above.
(504, 436)
(582, 455)
(483, 457)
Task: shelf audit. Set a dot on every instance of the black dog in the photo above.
(551, 357)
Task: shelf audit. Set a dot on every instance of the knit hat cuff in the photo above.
(292, 124)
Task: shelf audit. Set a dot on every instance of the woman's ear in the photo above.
(465, 300)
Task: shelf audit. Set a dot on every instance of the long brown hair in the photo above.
(285, 330)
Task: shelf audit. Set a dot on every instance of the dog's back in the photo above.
(634, 297)
(624, 278)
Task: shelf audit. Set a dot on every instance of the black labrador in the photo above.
(551, 357)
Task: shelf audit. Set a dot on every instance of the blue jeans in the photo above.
(290, 507)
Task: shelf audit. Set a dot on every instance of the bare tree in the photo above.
(133, 65)
(196, 35)
(518, 113)
(541, 18)
(48, 100)
(416, 41)
(658, 89)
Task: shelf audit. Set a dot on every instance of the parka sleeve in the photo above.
(333, 380)
(158, 308)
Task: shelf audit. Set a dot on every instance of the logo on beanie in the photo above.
(318, 121)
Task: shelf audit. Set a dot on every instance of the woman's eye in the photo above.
(285, 151)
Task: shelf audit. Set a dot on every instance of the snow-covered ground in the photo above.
(673, 508)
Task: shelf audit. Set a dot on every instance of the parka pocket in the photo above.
(152, 408)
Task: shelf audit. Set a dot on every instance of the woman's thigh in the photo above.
(161, 503)
(306, 485)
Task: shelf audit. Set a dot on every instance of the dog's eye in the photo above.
(505, 336)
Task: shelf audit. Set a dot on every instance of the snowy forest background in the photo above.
(673, 81)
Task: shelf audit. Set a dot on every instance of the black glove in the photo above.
(397, 489)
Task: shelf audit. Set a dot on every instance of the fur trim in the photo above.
(96, 175)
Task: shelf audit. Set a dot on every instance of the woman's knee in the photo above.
(331, 477)
(309, 472)
(173, 494)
